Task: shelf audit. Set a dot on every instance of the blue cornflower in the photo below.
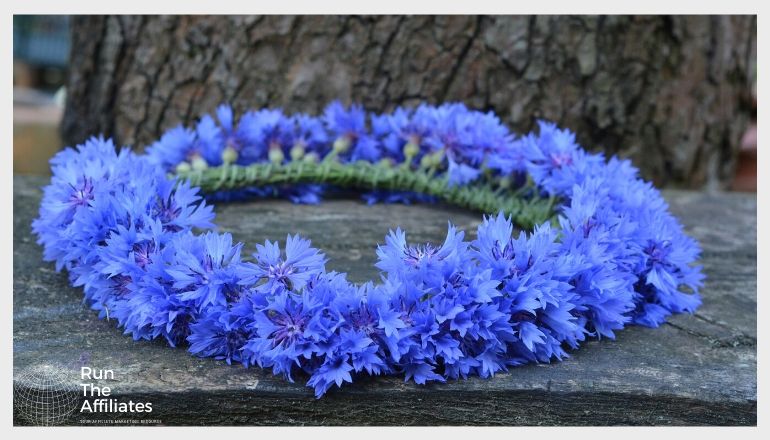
(283, 334)
(470, 140)
(349, 133)
(461, 174)
(78, 176)
(531, 276)
(221, 334)
(214, 139)
(270, 136)
(554, 159)
(403, 133)
(310, 137)
(178, 206)
(334, 370)
(204, 267)
(174, 147)
(248, 141)
(424, 262)
(667, 268)
(274, 271)
(368, 316)
(349, 123)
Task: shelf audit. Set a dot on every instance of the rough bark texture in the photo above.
(694, 370)
(672, 93)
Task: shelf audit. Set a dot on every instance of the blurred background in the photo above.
(41, 48)
(677, 95)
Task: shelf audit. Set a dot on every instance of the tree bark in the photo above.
(673, 94)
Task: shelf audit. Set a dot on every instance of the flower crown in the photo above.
(575, 246)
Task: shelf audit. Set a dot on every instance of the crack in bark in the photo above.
(151, 86)
(461, 59)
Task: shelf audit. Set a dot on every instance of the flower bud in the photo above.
(297, 151)
(432, 160)
(311, 157)
(410, 150)
(275, 155)
(385, 162)
(183, 167)
(198, 163)
(229, 155)
(438, 156)
(342, 144)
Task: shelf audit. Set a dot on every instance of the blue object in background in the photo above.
(41, 40)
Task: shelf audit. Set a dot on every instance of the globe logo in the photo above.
(45, 395)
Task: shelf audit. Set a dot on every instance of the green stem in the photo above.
(526, 213)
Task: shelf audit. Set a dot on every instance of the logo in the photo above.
(98, 399)
(45, 395)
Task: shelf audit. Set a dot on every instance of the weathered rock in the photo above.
(697, 369)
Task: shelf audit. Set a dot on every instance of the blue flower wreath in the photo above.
(607, 254)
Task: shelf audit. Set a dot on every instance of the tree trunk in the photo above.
(671, 93)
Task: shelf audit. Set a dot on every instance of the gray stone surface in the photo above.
(697, 369)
